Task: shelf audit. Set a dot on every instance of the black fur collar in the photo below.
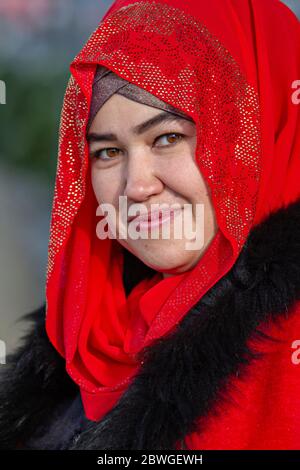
(184, 374)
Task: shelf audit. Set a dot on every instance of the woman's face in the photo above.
(147, 166)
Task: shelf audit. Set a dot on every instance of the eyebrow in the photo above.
(140, 128)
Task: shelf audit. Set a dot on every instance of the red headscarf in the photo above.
(230, 65)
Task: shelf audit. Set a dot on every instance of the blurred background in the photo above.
(38, 41)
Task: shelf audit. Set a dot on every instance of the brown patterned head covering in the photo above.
(106, 83)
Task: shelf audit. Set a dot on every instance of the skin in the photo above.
(150, 168)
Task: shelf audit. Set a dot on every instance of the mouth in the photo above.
(153, 219)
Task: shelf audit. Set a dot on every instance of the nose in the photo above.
(141, 181)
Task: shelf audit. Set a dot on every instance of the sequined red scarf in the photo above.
(222, 64)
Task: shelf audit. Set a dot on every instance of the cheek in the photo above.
(105, 186)
(185, 178)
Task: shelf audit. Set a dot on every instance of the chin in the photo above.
(170, 258)
(165, 264)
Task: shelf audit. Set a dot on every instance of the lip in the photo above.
(145, 216)
(153, 219)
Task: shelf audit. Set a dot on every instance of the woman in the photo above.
(151, 343)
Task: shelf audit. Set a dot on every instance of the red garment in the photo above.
(264, 407)
(230, 65)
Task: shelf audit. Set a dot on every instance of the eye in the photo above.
(174, 136)
(112, 152)
(98, 153)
